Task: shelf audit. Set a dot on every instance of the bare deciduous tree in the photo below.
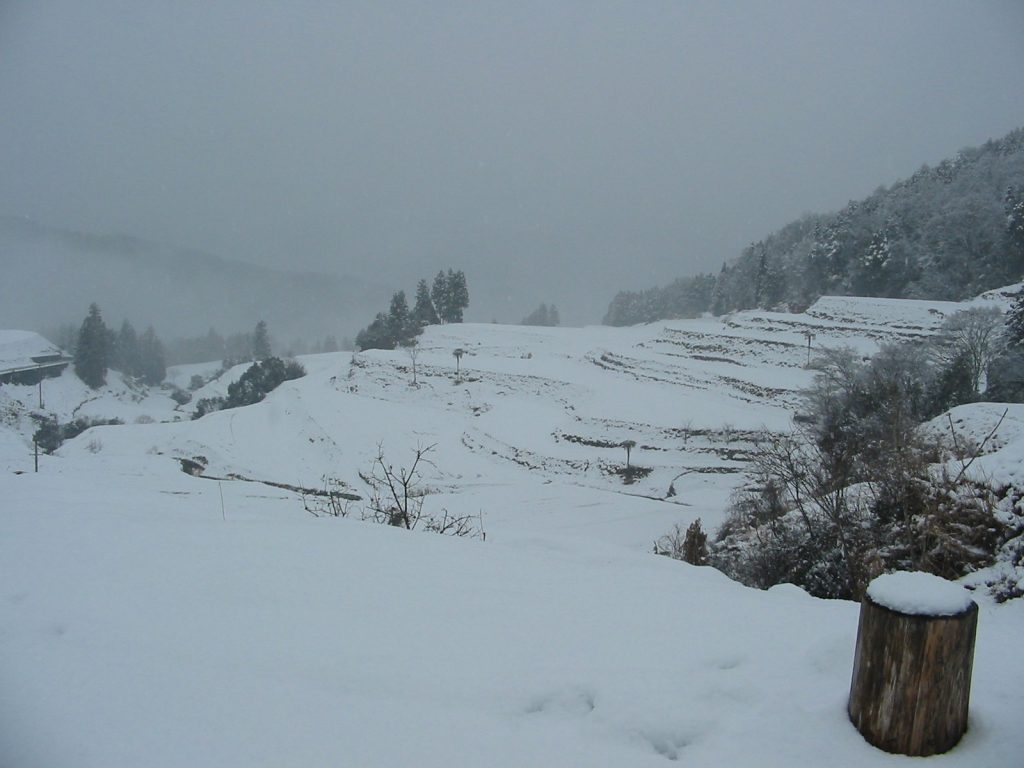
(412, 349)
(974, 336)
(397, 496)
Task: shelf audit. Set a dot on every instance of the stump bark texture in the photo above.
(912, 678)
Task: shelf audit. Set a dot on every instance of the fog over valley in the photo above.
(555, 153)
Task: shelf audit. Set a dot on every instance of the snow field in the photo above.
(262, 641)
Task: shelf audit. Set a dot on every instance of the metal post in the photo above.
(35, 444)
(810, 337)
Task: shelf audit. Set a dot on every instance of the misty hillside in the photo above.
(51, 276)
(945, 233)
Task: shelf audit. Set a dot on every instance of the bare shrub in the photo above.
(856, 489)
(671, 544)
(830, 525)
(333, 501)
(396, 498)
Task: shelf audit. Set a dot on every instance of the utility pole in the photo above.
(35, 446)
(810, 338)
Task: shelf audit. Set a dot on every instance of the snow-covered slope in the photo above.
(141, 625)
(66, 398)
(149, 617)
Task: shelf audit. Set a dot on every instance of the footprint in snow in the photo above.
(573, 701)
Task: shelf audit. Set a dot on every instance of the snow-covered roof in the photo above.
(20, 349)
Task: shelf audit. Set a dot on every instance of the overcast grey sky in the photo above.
(557, 151)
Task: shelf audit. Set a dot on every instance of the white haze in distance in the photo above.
(555, 151)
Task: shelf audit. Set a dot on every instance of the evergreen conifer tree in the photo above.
(457, 295)
(423, 311)
(261, 341)
(125, 351)
(1015, 323)
(375, 335)
(238, 348)
(440, 296)
(460, 294)
(398, 319)
(92, 353)
(721, 298)
(1014, 207)
(542, 315)
(111, 347)
(152, 363)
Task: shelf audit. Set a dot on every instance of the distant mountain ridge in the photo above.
(51, 275)
(945, 233)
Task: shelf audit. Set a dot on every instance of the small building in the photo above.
(28, 358)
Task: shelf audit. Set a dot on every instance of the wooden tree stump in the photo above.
(912, 671)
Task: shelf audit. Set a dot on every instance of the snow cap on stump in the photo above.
(919, 594)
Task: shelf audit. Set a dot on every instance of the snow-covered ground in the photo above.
(149, 617)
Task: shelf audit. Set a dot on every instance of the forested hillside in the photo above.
(947, 232)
